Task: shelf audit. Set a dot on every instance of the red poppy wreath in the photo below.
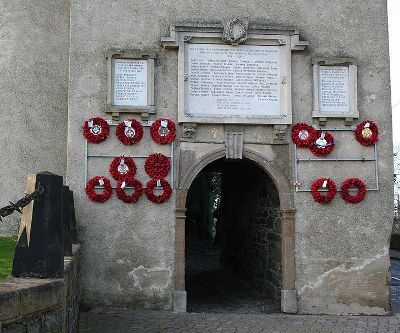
(353, 183)
(98, 181)
(129, 132)
(366, 133)
(302, 135)
(96, 130)
(157, 166)
(163, 131)
(122, 168)
(167, 190)
(322, 143)
(129, 198)
(325, 183)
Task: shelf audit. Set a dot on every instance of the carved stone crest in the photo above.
(189, 130)
(235, 32)
(280, 133)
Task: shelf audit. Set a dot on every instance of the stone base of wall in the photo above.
(42, 305)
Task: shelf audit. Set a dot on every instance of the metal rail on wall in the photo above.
(360, 159)
(148, 125)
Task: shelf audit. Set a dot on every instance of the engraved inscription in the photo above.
(130, 82)
(334, 89)
(236, 81)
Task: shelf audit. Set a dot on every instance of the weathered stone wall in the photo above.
(34, 46)
(42, 305)
(251, 226)
(341, 249)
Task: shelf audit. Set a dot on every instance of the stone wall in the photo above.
(42, 305)
(34, 47)
(341, 249)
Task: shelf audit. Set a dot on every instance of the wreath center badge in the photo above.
(323, 144)
(366, 132)
(122, 167)
(94, 129)
(129, 130)
(303, 134)
(163, 129)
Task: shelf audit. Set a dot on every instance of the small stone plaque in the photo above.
(334, 89)
(129, 82)
(233, 81)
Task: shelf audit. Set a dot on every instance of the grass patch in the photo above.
(7, 248)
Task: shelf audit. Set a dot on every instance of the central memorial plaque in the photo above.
(237, 73)
(233, 81)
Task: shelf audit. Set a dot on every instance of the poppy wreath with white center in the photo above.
(167, 191)
(353, 183)
(157, 166)
(298, 131)
(90, 190)
(318, 196)
(163, 139)
(322, 151)
(365, 137)
(93, 137)
(116, 174)
(129, 198)
(126, 140)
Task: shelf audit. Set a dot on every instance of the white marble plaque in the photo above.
(334, 89)
(234, 81)
(129, 82)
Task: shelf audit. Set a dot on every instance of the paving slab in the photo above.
(126, 320)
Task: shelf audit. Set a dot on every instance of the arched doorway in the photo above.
(233, 241)
(186, 178)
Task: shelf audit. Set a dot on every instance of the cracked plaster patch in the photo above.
(156, 278)
(342, 269)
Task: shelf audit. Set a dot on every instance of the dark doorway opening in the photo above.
(233, 241)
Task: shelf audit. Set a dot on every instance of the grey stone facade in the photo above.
(334, 258)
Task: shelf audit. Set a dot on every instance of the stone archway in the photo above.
(288, 292)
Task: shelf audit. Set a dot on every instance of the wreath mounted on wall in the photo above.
(163, 131)
(353, 183)
(366, 133)
(122, 167)
(322, 143)
(302, 135)
(167, 190)
(325, 183)
(96, 130)
(129, 131)
(157, 166)
(98, 181)
(131, 182)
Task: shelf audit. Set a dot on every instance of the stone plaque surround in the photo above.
(130, 83)
(286, 40)
(335, 88)
(205, 61)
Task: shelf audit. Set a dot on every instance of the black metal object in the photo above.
(25, 201)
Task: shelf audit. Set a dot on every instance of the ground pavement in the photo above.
(122, 320)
